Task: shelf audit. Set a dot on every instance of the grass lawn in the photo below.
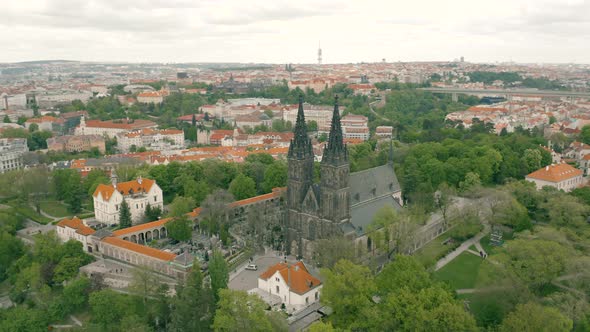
(434, 250)
(461, 272)
(27, 211)
(55, 208)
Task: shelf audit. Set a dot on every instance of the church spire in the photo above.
(335, 151)
(301, 143)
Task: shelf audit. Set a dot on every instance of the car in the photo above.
(252, 267)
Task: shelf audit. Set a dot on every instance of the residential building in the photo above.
(73, 143)
(355, 127)
(11, 153)
(293, 284)
(75, 229)
(111, 128)
(151, 97)
(160, 140)
(46, 122)
(384, 132)
(561, 176)
(137, 193)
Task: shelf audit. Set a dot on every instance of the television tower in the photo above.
(319, 53)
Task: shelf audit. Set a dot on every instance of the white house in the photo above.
(292, 283)
(75, 229)
(561, 176)
(137, 193)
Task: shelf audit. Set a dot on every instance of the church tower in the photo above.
(300, 162)
(335, 170)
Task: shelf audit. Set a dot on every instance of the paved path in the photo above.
(463, 247)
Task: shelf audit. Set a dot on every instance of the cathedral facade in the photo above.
(342, 203)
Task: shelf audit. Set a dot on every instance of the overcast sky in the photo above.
(288, 31)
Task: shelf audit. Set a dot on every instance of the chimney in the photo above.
(546, 168)
(139, 179)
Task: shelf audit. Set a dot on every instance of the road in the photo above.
(525, 92)
(375, 113)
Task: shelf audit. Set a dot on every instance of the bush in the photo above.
(465, 231)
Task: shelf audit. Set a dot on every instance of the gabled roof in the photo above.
(556, 173)
(141, 227)
(298, 279)
(76, 224)
(138, 248)
(137, 185)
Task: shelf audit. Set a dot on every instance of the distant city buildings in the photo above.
(11, 153)
(76, 143)
(160, 140)
(112, 127)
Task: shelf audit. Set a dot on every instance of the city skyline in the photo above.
(283, 32)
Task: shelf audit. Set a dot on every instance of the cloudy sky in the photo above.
(288, 31)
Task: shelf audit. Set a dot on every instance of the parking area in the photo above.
(246, 279)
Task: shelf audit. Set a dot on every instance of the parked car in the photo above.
(252, 267)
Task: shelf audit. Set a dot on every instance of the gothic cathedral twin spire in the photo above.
(333, 194)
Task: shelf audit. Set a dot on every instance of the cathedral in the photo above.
(342, 203)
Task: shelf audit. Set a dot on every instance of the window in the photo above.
(277, 289)
(307, 300)
(317, 295)
(155, 198)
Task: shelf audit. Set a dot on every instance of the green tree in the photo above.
(218, 271)
(328, 252)
(124, 215)
(11, 248)
(23, 319)
(239, 311)
(179, 228)
(536, 262)
(242, 187)
(532, 159)
(275, 176)
(585, 134)
(6, 119)
(532, 317)
(181, 206)
(152, 213)
(144, 283)
(194, 306)
(107, 308)
(348, 290)
(75, 294)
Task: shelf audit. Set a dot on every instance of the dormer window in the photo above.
(357, 196)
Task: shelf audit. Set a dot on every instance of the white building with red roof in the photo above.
(111, 128)
(75, 229)
(137, 193)
(160, 140)
(292, 283)
(561, 176)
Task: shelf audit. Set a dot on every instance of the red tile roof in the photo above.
(76, 224)
(140, 249)
(296, 276)
(556, 173)
(137, 228)
(125, 187)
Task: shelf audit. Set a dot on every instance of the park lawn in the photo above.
(433, 251)
(27, 211)
(461, 272)
(55, 208)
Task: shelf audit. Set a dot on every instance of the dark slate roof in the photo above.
(102, 233)
(381, 180)
(370, 190)
(362, 214)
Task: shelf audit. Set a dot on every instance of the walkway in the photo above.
(463, 247)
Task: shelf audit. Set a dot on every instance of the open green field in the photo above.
(461, 272)
(55, 208)
(433, 251)
(28, 212)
